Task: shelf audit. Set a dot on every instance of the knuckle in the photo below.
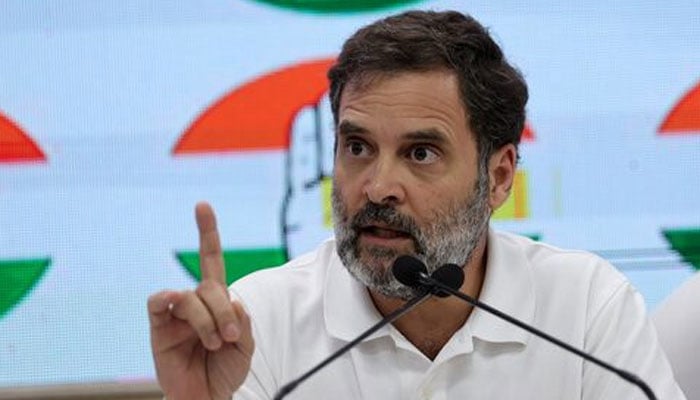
(207, 330)
(189, 296)
(206, 285)
(189, 303)
(226, 313)
(223, 312)
(203, 287)
(205, 326)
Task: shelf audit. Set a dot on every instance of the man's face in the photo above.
(406, 178)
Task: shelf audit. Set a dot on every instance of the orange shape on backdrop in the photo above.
(684, 118)
(528, 134)
(15, 145)
(259, 114)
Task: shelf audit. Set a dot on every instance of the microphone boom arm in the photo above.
(629, 377)
(391, 317)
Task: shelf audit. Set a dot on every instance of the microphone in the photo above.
(412, 272)
(402, 269)
(443, 280)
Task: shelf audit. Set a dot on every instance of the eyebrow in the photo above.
(427, 135)
(348, 128)
(432, 135)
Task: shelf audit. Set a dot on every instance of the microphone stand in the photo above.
(284, 390)
(629, 377)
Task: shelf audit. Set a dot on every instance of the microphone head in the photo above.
(407, 270)
(450, 275)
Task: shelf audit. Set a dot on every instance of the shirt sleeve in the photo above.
(621, 334)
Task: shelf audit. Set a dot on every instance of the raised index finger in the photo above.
(211, 260)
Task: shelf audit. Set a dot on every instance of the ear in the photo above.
(501, 174)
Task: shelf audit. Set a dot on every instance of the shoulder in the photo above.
(548, 260)
(571, 276)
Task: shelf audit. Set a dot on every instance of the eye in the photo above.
(423, 155)
(357, 148)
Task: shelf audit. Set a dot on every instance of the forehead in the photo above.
(424, 98)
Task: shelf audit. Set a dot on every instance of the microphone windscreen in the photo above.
(407, 270)
(449, 275)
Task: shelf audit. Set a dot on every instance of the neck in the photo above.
(431, 324)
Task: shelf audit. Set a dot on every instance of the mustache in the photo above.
(387, 215)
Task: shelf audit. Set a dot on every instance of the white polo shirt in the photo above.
(308, 308)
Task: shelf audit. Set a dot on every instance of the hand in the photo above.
(201, 340)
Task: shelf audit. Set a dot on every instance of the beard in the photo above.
(451, 237)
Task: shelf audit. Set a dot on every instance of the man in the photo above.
(428, 118)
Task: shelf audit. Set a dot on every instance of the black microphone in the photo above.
(412, 272)
(403, 268)
(444, 279)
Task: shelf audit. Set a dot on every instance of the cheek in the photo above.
(429, 202)
(351, 201)
(347, 181)
(346, 193)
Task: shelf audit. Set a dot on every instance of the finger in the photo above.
(159, 305)
(211, 260)
(216, 299)
(192, 310)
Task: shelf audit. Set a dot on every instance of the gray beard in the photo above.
(452, 237)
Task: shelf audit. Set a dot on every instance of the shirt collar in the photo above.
(509, 287)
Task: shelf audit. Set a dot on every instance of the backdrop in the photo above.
(117, 116)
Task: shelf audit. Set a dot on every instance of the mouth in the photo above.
(384, 233)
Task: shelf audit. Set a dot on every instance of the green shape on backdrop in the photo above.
(17, 279)
(337, 6)
(686, 241)
(239, 263)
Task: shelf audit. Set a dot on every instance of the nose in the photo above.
(384, 184)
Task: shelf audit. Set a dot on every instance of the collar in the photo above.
(508, 286)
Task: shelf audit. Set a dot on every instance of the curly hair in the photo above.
(494, 93)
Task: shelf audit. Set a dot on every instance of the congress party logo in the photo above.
(337, 6)
(288, 110)
(281, 111)
(684, 119)
(18, 276)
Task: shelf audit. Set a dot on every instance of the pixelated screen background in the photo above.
(116, 117)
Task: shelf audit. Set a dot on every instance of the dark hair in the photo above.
(494, 93)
